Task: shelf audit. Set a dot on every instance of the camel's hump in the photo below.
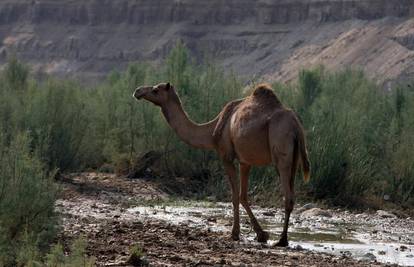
(264, 94)
(263, 89)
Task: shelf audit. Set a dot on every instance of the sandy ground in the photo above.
(97, 207)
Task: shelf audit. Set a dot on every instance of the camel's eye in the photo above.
(155, 91)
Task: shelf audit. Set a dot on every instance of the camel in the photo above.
(256, 131)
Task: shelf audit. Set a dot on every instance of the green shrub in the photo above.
(354, 129)
(359, 136)
(77, 256)
(27, 194)
(400, 146)
(57, 122)
(342, 165)
(16, 75)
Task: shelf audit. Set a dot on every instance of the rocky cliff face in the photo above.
(254, 37)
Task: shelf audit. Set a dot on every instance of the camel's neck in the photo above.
(197, 135)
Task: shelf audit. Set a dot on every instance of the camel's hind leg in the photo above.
(232, 176)
(286, 163)
(262, 236)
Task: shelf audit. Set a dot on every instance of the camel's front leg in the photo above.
(232, 176)
(262, 236)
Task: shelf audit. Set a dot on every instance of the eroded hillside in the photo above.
(254, 37)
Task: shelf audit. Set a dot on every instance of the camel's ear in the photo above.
(168, 86)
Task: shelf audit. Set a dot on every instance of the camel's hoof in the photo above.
(282, 242)
(235, 235)
(262, 237)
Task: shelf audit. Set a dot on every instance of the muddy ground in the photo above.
(114, 214)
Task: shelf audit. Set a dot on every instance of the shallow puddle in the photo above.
(361, 236)
(382, 252)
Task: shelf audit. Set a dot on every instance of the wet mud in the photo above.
(114, 214)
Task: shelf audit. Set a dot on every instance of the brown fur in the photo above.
(256, 131)
(264, 92)
(223, 118)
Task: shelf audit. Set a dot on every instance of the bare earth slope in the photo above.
(89, 38)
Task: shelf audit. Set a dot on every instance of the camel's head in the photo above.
(159, 94)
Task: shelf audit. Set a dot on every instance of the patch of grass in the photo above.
(137, 256)
(77, 256)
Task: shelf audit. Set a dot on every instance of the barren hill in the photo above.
(89, 38)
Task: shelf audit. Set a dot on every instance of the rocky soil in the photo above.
(256, 38)
(115, 213)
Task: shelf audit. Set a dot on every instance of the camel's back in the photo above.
(249, 125)
(264, 94)
(256, 108)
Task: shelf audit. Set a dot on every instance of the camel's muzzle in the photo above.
(140, 92)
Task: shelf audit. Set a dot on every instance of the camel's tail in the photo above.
(304, 155)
